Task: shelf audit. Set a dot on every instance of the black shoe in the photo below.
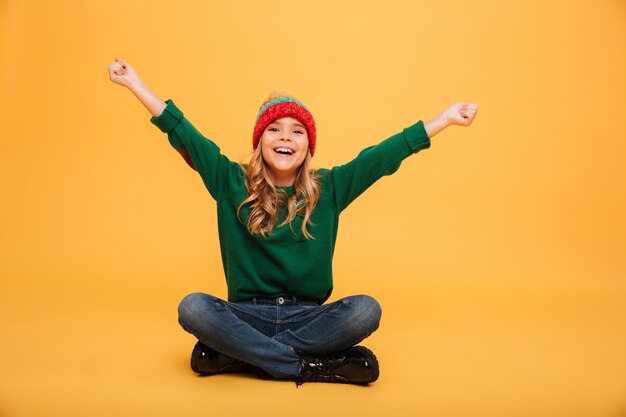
(207, 361)
(356, 365)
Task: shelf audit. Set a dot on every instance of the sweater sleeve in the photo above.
(352, 179)
(199, 152)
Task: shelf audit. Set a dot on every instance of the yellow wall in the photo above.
(497, 254)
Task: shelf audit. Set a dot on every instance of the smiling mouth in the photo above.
(284, 151)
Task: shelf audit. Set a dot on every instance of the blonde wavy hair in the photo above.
(266, 200)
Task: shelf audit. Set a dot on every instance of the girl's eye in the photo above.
(273, 129)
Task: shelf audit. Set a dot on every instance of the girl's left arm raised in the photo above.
(351, 179)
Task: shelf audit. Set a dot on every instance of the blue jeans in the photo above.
(271, 333)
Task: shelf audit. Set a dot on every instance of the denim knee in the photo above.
(366, 314)
(191, 307)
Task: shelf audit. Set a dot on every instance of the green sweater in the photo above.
(284, 262)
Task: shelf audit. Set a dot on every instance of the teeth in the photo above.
(284, 150)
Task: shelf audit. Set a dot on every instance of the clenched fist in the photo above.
(461, 114)
(120, 72)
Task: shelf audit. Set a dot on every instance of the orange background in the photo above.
(497, 254)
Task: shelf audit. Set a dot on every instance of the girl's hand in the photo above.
(461, 114)
(120, 72)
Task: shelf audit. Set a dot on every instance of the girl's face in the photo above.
(284, 145)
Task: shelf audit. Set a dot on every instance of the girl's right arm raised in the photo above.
(200, 153)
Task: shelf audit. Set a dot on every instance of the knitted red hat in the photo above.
(282, 105)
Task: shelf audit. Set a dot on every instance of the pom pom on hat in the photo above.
(274, 94)
(282, 104)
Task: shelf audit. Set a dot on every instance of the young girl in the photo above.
(277, 221)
